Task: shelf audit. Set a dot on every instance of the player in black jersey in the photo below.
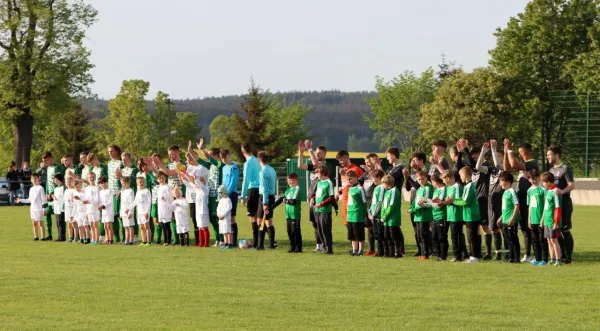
(527, 163)
(564, 180)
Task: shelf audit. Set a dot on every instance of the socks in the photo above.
(497, 241)
(254, 234)
(234, 234)
(488, 244)
(196, 237)
(371, 238)
(271, 231)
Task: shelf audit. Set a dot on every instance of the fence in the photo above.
(581, 142)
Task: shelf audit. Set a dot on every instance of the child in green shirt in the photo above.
(552, 217)
(324, 199)
(439, 227)
(390, 217)
(356, 208)
(292, 213)
(454, 215)
(422, 213)
(510, 216)
(535, 200)
(374, 213)
(471, 214)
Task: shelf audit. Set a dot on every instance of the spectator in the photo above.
(13, 182)
(25, 178)
(42, 170)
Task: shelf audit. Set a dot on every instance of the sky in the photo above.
(203, 48)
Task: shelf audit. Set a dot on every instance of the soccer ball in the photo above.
(181, 167)
(244, 244)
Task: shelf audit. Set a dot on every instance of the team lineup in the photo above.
(160, 203)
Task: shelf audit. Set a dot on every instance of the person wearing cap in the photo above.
(224, 209)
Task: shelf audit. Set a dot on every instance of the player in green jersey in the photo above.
(423, 216)
(324, 199)
(114, 185)
(52, 169)
(391, 217)
(356, 206)
(439, 226)
(510, 216)
(552, 217)
(374, 213)
(535, 200)
(471, 214)
(454, 215)
(293, 211)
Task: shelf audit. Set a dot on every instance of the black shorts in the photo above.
(260, 213)
(252, 202)
(551, 234)
(567, 213)
(483, 210)
(356, 231)
(234, 202)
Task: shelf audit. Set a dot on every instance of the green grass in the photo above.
(64, 286)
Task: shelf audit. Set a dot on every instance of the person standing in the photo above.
(267, 185)
(317, 159)
(346, 165)
(231, 176)
(25, 178)
(417, 163)
(565, 183)
(52, 170)
(250, 185)
(527, 163)
(12, 178)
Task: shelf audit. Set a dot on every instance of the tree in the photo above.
(186, 125)
(286, 125)
(534, 50)
(477, 106)
(43, 64)
(160, 132)
(72, 138)
(221, 134)
(363, 144)
(395, 111)
(252, 129)
(128, 120)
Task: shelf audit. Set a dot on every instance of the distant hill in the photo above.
(333, 116)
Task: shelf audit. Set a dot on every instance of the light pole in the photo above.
(169, 120)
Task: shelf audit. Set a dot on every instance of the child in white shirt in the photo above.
(69, 207)
(224, 214)
(92, 201)
(108, 212)
(81, 213)
(182, 217)
(58, 195)
(143, 202)
(198, 185)
(37, 198)
(165, 213)
(127, 198)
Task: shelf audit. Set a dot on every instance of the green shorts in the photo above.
(154, 210)
(116, 205)
(49, 209)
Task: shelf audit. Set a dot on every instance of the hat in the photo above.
(222, 189)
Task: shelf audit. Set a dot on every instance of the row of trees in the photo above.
(553, 45)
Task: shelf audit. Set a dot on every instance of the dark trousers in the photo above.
(295, 235)
(61, 226)
(392, 246)
(378, 232)
(512, 238)
(313, 221)
(417, 236)
(324, 223)
(474, 238)
(524, 225)
(440, 238)
(540, 244)
(184, 239)
(167, 233)
(458, 239)
(424, 238)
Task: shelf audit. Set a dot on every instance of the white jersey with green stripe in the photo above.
(113, 182)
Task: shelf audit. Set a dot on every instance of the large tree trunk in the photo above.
(23, 132)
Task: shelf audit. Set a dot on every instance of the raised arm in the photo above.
(479, 166)
(301, 164)
(497, 162)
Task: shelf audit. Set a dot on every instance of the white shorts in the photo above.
(182, 227)
(224, 226)
(127, 220)
(69, 214)
(36, 215)
(108, 217)
(203, 221)
(82, 219)
(93, 216)
(164, 220)
(141, 218)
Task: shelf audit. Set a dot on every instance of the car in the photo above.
(4, 193)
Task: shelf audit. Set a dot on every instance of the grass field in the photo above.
(48, 286)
